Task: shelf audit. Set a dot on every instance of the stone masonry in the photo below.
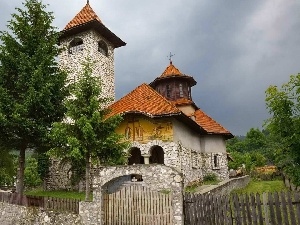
(155, 177)
(103, 66)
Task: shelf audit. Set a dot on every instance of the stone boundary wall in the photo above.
(156, 177)
(21, 215)
(226, 186)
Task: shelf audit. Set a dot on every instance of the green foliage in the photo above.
(89, 132)
(32, 87)
(250, 160)
(56, 194)
(261, 187)
(7, 168)
(43, 163)
(210, 177)
(284, 125)
(32, 177)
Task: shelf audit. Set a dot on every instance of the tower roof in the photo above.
(85, 15)
(172, 72)
(87, 19)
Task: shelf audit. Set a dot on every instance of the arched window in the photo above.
(102, 48)
(180, 91)
(157, 155)
(135, 156)
(75, 45)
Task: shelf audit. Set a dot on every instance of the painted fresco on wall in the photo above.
(144, 129)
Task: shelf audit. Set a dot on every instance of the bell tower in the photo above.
(85, 36)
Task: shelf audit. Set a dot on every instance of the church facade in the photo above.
(161, 120)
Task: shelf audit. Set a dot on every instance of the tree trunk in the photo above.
(20, 174)
(87, 176)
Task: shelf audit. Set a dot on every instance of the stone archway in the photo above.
(135, 156)
(156, 177)
(157, 155)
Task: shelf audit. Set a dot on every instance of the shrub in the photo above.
(31, 176)
(210, 177)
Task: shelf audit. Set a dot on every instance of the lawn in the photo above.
(262, 186)
(57, 194)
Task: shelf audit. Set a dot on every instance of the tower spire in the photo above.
(87, 1)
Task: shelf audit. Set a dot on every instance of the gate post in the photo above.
(90, 212)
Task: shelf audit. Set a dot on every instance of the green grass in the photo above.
(262, 186)
(57, 194)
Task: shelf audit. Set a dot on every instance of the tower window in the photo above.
(102, 48)
(180, 91)
(168, 91)
(75, 45)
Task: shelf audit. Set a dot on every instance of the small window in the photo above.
(180, 91)
(168, 91)
(76, 45)
(216, 161)
(102, 48)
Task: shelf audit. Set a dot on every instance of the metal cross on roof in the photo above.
(170, 57)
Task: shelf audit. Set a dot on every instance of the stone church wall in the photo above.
(21, 215)
(103, 65)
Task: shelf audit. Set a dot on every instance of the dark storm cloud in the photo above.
(234, 49)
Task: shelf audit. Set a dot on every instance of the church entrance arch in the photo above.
(135, 156)
(157, 155)
(161, 190)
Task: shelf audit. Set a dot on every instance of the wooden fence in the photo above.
(266, 209)
(47, 203)
(137, 205)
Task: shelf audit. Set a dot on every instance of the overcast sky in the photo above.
(234, 49)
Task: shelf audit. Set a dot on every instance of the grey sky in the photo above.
(234, 49)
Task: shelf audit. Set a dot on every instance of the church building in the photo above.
(161, 120)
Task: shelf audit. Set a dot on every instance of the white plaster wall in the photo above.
(103, 65)
(187, 109)
(213, 143)
(188, 138)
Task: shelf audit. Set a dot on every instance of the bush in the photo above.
(31, 176)
(210, 178)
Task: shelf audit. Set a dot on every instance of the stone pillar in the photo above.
(146, 158)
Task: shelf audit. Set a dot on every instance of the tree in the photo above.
(284, 125)
(7, 168)
(87, 134)
(32, 87)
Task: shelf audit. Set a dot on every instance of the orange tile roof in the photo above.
(144, 100)
(183, 101)
(171, 70)
(209, 124)
(86, 14)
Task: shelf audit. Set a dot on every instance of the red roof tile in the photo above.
(86, 14)
(183, 101)
(172, 72)
(208, 124)
(144, 100)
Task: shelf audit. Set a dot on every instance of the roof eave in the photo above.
(96, 25)
(191, 79)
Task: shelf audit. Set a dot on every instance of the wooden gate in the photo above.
(137, 205)
(263, 209)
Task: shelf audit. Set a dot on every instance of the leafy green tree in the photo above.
(284, 125)
(87, 134)
(31, 175)
(7, 168)
(31, 83)
(255, 140)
